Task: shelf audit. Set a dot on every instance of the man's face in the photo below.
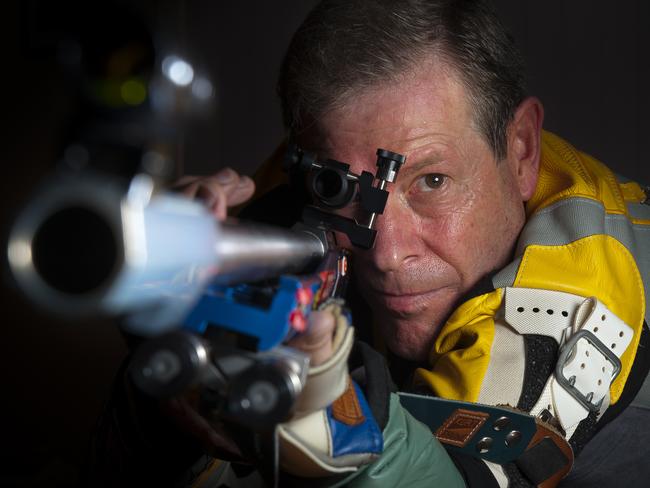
(453, 213)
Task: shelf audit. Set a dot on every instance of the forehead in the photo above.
(424, 105)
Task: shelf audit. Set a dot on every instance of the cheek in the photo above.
(469, 235)
(452, 225)
(494, 229)
(456, 239)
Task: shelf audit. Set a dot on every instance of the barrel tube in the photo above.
(249, 252)
(92, 245)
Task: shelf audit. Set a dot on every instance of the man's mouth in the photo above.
(405, 304)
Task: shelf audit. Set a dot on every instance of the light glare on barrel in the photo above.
(20, 253)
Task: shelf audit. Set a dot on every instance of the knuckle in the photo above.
(246, 183)
(226, 175)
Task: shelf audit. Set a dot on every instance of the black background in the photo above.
(587, 61)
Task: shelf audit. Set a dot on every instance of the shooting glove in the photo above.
(333, 430)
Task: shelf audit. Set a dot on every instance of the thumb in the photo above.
(317, 340)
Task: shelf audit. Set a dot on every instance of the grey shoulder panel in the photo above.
(575, 218)
(572, 219)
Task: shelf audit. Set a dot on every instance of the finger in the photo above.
(212, 196)
(224, 179)
(238, 194)
(219, 208)
(226, 176)
(236, 187)
(224, 189)
(216, 200)
(232, 195)
(317, 341)
(215, 196)
(188, 188)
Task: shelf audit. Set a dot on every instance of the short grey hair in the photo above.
(346, 46)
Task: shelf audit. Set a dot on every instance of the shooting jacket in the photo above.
(586, 242)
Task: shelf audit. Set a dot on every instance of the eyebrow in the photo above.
(428, 160)
(425, 154)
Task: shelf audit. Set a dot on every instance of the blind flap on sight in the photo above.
(333, 187)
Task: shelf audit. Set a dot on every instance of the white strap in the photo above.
(545, 312)
(586, 367)
(508, 346)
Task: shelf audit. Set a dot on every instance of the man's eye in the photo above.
(432, 181)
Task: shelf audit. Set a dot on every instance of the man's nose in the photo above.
(397, 237)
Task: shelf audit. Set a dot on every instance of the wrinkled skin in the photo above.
(454, 212)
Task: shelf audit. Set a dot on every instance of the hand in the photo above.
(224, 189)
(317, 340)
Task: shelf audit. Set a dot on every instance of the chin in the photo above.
(409, 339)
(412, 335)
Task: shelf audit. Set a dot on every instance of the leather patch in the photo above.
(461, 426)
(346, 408)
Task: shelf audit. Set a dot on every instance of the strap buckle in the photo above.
(566, 354)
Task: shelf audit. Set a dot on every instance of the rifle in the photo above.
(217, 301)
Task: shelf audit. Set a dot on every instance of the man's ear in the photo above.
(524, 145)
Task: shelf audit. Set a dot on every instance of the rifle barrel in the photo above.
(88, 245)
